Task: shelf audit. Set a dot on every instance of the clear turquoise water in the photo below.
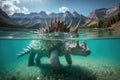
(102, 50)
(105, 52)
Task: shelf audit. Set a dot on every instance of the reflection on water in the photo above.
(83, 34)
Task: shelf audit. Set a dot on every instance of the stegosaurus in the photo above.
(54, 49)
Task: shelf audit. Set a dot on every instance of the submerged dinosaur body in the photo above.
(53, 49)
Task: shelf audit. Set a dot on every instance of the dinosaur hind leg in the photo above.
(68, 59)
(54, 57)
(31, 59)
(37, 59)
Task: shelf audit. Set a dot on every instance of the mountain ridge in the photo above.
(37, 20)
(41, 17)
(99, 14)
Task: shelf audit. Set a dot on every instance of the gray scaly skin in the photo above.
(53, 49)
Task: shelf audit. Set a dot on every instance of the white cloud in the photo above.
(25, 10)
(63, 9)
(33, 0)
(17, 1)
(48, 13)
(10, 8)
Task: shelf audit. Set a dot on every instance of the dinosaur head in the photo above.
(78, 49)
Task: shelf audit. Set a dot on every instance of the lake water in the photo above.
(102, 64)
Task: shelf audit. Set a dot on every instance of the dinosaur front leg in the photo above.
(54, 58)
(68, 59)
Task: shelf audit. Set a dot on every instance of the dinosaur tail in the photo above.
(24, 52)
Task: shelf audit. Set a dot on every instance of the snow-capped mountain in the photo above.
(40, 18)
(35, 19)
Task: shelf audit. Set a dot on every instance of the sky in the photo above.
(84, 7)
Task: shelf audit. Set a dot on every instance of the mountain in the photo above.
(18, 15)
(39, 19)
(7, 22)
(4, 19)
(43, 14)
(104, 16)
(98, 14)
(113, 11)
(3, 14)
(112, 22)
(102, 13)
